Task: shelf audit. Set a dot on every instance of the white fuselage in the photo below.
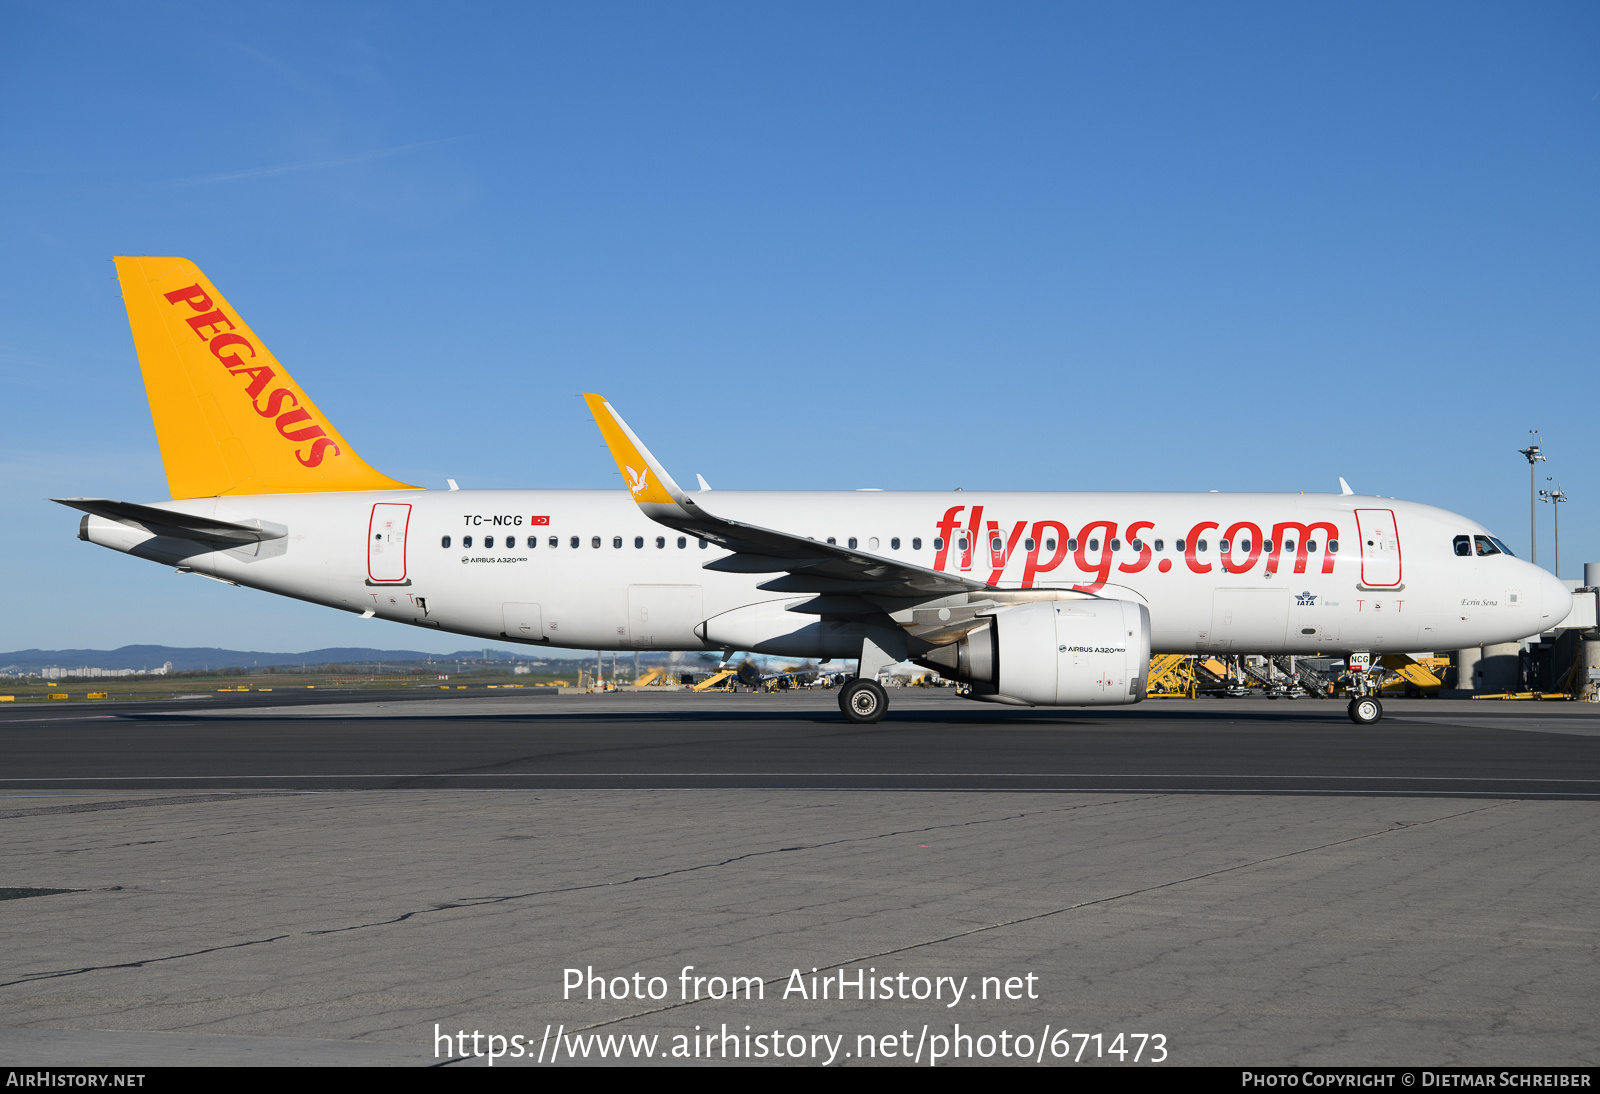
(1394, 584)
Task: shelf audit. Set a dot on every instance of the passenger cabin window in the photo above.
(554, 542)
(1050, 545)
(938, 543)
(575, 542)
(1027, 545)
(1160, 545)
(445, 543)
(594, 542)
(661, 541)
(702, 545)
(894, 544)
(1463, 546)
(616, 541)
(1116, 545)
(488, 541)
(916, 544)
(682, 543)
(638, 541)
(851, 542)
(1333, 546)
(1486, 546)
(511, 542)
(466, 541)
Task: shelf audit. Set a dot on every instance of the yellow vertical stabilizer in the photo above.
(229, 418)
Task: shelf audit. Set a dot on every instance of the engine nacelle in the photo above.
(1055, 653)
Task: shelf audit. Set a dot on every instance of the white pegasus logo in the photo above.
(636, 480)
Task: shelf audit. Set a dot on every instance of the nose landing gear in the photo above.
(1365, 710)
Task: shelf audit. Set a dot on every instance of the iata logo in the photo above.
(1305, 599)
(214, 328)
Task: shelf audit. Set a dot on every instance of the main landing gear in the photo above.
(1365, 710)
(863, 701)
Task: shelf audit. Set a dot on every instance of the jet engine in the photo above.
(1054, 653)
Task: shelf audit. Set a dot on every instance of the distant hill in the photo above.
(190, 659)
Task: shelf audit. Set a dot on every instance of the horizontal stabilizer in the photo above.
(164, 522)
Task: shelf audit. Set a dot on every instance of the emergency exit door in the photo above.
(386, 543)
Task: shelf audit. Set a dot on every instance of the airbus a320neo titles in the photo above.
(1035, 599)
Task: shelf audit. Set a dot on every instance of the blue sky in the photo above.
(1051, 246)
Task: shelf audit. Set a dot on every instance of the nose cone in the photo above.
(1555, 600)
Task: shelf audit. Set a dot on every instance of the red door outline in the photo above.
(1361, 536)
(405, 527)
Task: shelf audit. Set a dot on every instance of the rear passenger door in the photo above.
(386, 543)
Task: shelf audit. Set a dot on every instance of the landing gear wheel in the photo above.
(1365, 710)
(863, 702)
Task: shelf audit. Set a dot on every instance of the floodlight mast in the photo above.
(1534, 454)
(1555, 497)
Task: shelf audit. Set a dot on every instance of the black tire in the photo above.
(863, 702)
(1365, 710)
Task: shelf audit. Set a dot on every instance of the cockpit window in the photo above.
(1464, 546)
(1486, 546)
(1500, 543)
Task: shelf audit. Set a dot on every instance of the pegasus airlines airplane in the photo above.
(1026, 598)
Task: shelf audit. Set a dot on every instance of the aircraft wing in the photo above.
(806, 565)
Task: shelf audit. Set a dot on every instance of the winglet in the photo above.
(1344, 487)
(647, 481)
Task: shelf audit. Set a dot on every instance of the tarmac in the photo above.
(1218, 882)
